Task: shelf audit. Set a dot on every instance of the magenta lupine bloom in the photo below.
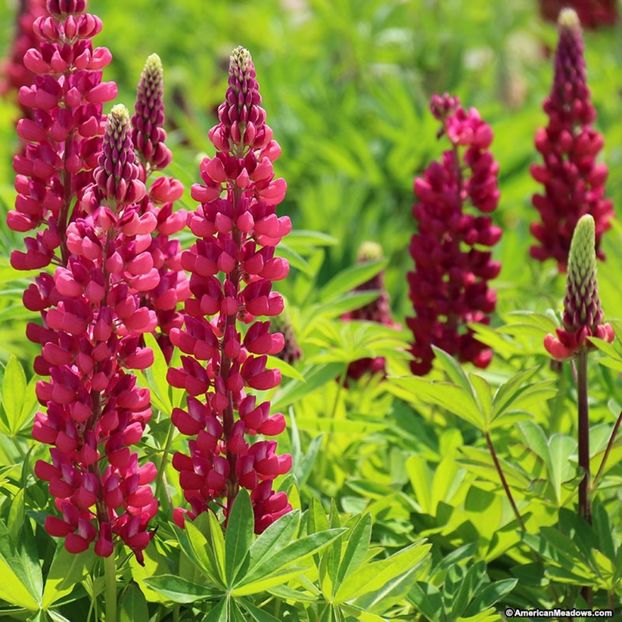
(583, 314)
(377, 311)
(225, 346)
(91, 337)
(592, 13)
(449, 287)
(62, 132)
(13, 73)
(572, 177)
(148, 136)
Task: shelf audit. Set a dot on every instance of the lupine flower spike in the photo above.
(94, 410)
(573, 180)
(583, 318)
(377, 311)
(453, 264)
(13, 73)
(592, 13)
(583, 315)
(225, 346)
(63, 131)
(148, 136)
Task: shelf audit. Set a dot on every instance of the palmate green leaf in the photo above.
(390, 594)
(479, 462)
(483, 394)
(256, 614)
(346, 280)
(355, 553)
(275, 578)
(558, 465)
(293, 553)
(535, 438)
(66, 571)
(133, 605)
(21, 583)
(338, 306)
(375, 575)
(278, 535)
(301, 239)
(239, 534)
(295, 259)
(287, 370)
(315, 377)
(510, 390)
(219, 612)
(203, 542)
(447, 395)
(454, 371)
(155, 563)
(420, 480)
(179, 590)
(490, 595)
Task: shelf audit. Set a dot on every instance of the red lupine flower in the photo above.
(148, 135)
(62, 130)
(583, 315)
(94, 411)
(237, 230)
(449, 287)
(592, 13)
(14, 74)
(377, 311)
(573, 179)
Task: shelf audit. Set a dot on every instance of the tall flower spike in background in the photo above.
(149, 136)
(91, 336)
(63, 130)
(583, 317)
(13, 73)
(573, 180)
(592, 13)
(377, 311)
(238, 230)
(449, 287)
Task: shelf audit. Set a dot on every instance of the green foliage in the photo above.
(399, 510)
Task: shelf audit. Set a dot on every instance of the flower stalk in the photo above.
(573, 180)
(225, 345)
(449, 287)
(582, 319)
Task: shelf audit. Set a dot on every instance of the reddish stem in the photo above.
(585, 509)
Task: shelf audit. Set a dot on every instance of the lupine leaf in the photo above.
(13, 393)
(346, 280)
(239, 534)
(179, 590)
(66, 571)
(133, 605)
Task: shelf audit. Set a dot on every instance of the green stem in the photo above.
(612, 440)
(161, 479)
(504, 482)
(584, 435)
(111, 588)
